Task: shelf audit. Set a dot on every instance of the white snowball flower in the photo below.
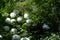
(25, 38)
(7, 20)
(19, 19)
(6, 28)
(13, 31)
(26, 15)
(45, 26)
(16, 11)
(13, 20)
(15, 37)
(28, 21)
(1, 36)
(13, 15)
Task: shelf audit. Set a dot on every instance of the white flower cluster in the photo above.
(25, 38)
(28, 21)
(13, 31)
(45, 26)
(1, 36)
(12, 15)
(17, 37)
(19, 19)
(12, 19)
(15, 18)
(8, 20)
(26, 16)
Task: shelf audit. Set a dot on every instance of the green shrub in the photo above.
(34, 19)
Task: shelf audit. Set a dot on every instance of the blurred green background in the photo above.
(40, 11)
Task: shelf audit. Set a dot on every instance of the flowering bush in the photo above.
(29, 19)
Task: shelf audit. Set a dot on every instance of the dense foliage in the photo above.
(33, 19)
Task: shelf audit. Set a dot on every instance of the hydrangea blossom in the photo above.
(16, 11)
(13, 20)
(26, 15)
(45, 26)
(15, 37)
(8, 20)
(25, 38)
(13, 15)
(28, 21)
(6, 28)
(19, 19)
(13, 31)
(1, 36)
